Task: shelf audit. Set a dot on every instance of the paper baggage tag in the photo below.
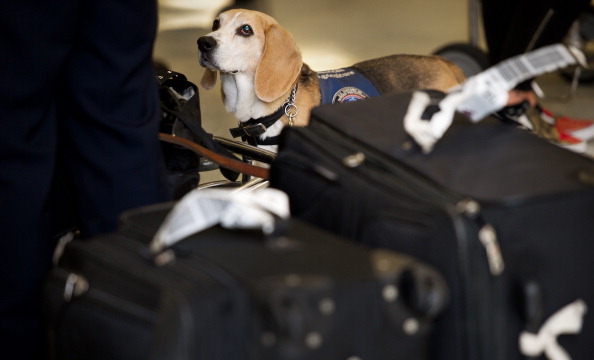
(494, 83)
(485, 92)
(232, 209)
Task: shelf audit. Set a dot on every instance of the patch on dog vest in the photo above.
(345, 85)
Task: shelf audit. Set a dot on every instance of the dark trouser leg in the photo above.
(108, 116)
(33, 46)
(512, 27)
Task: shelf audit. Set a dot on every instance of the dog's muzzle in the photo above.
(206, 47)
(206, 43)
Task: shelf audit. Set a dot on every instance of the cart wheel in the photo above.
(469, 58)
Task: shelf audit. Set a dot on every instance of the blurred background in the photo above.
(337, 33)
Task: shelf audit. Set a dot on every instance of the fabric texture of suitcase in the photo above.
(296, 293)
(504, 215)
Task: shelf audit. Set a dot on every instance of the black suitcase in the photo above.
(299, 293)
(507, 217)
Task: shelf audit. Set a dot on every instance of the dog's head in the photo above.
(245, 41)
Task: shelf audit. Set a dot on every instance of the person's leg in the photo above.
(515, 27)
(109, 113)
(512, 26)
(34, 42)
(564, 14)
(524, 19)
(497, 16)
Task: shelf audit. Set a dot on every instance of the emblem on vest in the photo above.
(345, 85)
(348, 94)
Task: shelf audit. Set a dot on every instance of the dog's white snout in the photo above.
(206, 43)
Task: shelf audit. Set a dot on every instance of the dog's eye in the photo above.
(216, 25)
(245, 30)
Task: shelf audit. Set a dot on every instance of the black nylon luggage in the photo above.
(298, 293)
(507, 217)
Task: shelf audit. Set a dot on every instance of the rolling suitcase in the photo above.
(505, 216)
(293, 292)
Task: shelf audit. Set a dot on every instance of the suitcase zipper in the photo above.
(486, 235)
(488, 238)
(77, 286)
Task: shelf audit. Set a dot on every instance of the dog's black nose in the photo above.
(206, 43)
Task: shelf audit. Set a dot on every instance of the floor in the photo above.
(337, 33)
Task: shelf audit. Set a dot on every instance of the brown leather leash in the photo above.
(223, 161)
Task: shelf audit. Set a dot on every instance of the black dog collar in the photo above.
(257, 127)
(253, 128)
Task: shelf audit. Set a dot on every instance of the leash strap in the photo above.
(223, 161)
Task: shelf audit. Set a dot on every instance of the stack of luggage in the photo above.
(463, 241)
(293, 292)
(504, 215)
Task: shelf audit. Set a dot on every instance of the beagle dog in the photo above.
(264, 79)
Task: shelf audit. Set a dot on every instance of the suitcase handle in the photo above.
(232, 209)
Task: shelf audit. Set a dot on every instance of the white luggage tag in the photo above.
(567, 320)
(485, 92)
(203, 208)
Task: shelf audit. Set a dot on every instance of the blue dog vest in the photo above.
(345, 85)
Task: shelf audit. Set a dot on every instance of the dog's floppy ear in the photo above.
(279, 65)
(209, 79)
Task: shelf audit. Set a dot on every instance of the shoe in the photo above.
(579, 128)
(571, 143)
(570, 134)
(533, 120)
